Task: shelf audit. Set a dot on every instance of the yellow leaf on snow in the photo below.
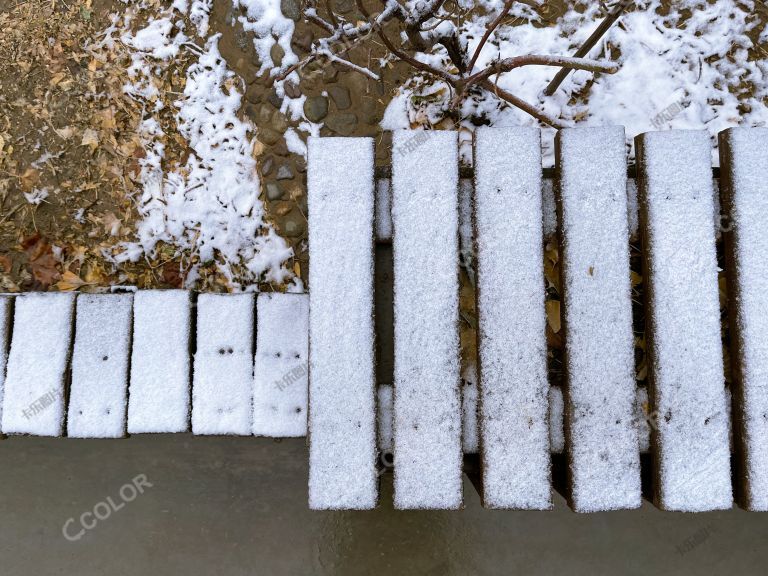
(553, 315)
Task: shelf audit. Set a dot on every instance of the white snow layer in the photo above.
(342, 385)
(265, 19)
(6, 313)
(223, 367)
(597, 302)
(686, 67)
(158, 397)
(209, 206)
(745, 160)
(281, 371)
(512, 348)
(686, 362)
(98, 397)
(428, 455)
(34, 400)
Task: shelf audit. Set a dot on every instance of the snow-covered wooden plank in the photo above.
(281, 369)
(512, 348)
(744, 179)
(6, 314)
(38, 363)
(601, 440)
(428, 456)
(687, 388)
(158, 394)
(342, 383)
(98, 398)
(222, 382)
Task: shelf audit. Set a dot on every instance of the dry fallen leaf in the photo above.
(90, 138)
(553, 315)
(5, 263)
(29, 178)
(42, 262)
(70, 281)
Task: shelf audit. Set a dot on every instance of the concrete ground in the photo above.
(235, 506)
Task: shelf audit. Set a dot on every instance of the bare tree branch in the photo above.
(508, 64)
(416, 63)
(523, 105)
(423, 13)
(488, 31)
(348, 36)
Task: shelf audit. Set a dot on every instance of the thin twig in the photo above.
(523, 105)
(416, 63)
(507, 7)
(351, 66)
(508, 64)
(604, 26)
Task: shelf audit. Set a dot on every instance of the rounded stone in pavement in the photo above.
(274, 191)
(293, 225)
(284, 172)
(340, 96)
(302, 39)
(291, 9)
(266, 165)
(274, 99)
(268, 136)
(316, 108)
(343, 123)
(277, 53)
(330, 74)
(291, 90)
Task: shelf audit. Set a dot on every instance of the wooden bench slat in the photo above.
(98, 398)
(281, 369)
(601, 439)
(512, 350)
(744, 184)
(428, 456)
(342, 414)
(159, 389)
(687, 388)
(222, 385)
(36, 378)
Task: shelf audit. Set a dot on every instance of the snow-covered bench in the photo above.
(96, 366)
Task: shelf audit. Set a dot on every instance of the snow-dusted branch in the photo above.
(344, 35)
(488, 31)
(508, 64)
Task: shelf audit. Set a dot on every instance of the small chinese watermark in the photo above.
(695, 540)
(297, 373)
(667, 114)
(39, 405)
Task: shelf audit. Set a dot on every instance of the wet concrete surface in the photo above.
(234, 506)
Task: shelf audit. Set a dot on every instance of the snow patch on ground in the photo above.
(675, 73)
(207, 208)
